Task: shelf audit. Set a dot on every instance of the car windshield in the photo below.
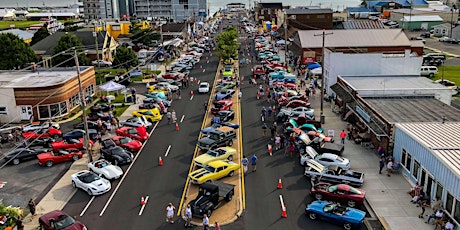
(203, 86)
(125, 140)
(329, 207)
(228, 68)
(89, 177)
(332, 188)
(210, 168)
(212, 153)
(63, 222)
(340, 159)
(117, 150)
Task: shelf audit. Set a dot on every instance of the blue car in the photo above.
(349, 218)
(160, 95)
(218, 125)
(224, 95)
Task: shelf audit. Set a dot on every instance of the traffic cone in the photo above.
(270, 149)
(207, 60)
(177, 127)
(283, 213)
(191, 93)
(160, 163)
(280, 185)
(201, 68)
(143, 200)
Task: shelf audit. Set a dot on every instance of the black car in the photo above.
(80, 133)
(425, 35)
(91, 125)
(102, 108)
(96, 116)
(38, 142)
(22, 154)
(226, 115)
(117, 155)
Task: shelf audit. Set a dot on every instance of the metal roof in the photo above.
(302, 10)
(424, 18)
(354, 38)
(20, 33)
(39, 78)
(442, 139)
(360, 24)
(363, 83)
(413, 109)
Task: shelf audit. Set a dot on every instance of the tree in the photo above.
(226, 43)
(125, 57)
(40, 35)
(65, 44)
(15, 52)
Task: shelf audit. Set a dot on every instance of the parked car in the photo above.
(99, 115)
(50, 158)
(418, 39)
(101, 63)
(349, 218)
(37, 126)
(91, 125)
(39, 142)
(79, 133)
(167, 85)
(69, 144)
(221, 105)
(221, 153)
(225, 115)
(59, 220)
(151, 115)
(325, 159)
(297, 103)
(90, 182)
(19, 155)
(127, 143)
(42, 133)
(215, 126)
(449, 40)
(309, 112)
(228, 70)
(117, 155)
(105, 169)
(333, 174)
(203, 87)
(137, 133)
(213, 171)
(341, 192)
(102, 108)
(136, 122)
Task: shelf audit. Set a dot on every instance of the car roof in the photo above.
(225, 129)
(217, 164)
(329, 155)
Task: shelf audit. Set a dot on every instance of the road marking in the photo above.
(126, 173)
(199, 82)
(191, 98)
(143, 206)
(87, 206)
(167, 150)
(182, 119)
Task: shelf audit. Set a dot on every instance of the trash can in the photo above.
(129, 99)
(322, 119)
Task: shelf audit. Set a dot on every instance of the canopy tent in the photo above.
(316, 71)
(200, 23)
(281, 42)
(111, 86)
(313, 65)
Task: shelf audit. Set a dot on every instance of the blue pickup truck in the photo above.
(282, 75)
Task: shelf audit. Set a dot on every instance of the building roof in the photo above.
(173, 27)
(354, 38)
(360, 9)
(364, 83)
(24, 35)
(305, 10)
(445, 144)
(39, 78)
(414, 109)
(276, 5)
(360, 24)
(47, 45)
(422, 18)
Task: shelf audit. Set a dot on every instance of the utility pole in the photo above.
(83, 107)
(285, 38)
(323, 34)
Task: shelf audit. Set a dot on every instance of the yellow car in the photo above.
(151, 115)
(214, 171)
(152, 89)
(221, 153)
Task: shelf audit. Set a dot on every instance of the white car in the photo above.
(136, 122)
(167, 85)
(325, 159)
(45, 125)
(101, 63)
(310, 113)
(203, 88)
(105, 169)
(90, 182)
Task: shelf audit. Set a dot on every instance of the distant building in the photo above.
(24, 35)
(174, 10)
(420, 22)
(309, 18)
(235, 6)
(101, 9)
(267, 11)
(7, 14)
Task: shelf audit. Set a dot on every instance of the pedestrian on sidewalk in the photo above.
(343, 135)
(389, 167)
(381, 164)
(216, 226)
(240, 94)
(188, 216)
(205, 222)
(32, 208)
(168, 115)
(254, 162)
(245, 163)
(170, 213)
(19, 224)
(423, 211)
(264, 129)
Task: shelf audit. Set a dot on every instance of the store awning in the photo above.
(342, 93)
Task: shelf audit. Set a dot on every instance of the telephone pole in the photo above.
(285, 38)
(323, 34)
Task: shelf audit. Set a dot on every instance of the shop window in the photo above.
(52, 110)
(416, 169)
(439, 190)
(403, 157)
(3, 110)
(43, 111)
(409, 161)
(320, 16)
(63, 107)
(74, 101)
(90, 90)
(456, 214)
(449, 203)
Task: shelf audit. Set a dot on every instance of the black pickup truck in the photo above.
(220, 137)
(210, 197)
(327, 147)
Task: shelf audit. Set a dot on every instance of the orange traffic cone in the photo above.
(191, 93)
(201, 68)
(270, 149)
(280, 185)
(283, 213)
(177, 127)
(143, 200)
(160, 162)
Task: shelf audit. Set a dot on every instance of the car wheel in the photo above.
(75, 157)
(318, 196)
(89, 192)
(347, 226)
(351, 203)
(73, 184)
(230, 143)
(55, 136)
(16, 161)
(49, 163)
(229, 196)
(230, 158)
(312, 216)
(431, 75)
(231, 173)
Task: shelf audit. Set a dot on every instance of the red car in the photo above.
(41, 133)
(174, 76)
(273, 64)
(340, 192)
(58, 219)
(48, 159)
(297, 103)
(314, 134)
(127, 143)
(287, 85)
(137, 133)
(69, 144)
(221, 106)
(258, 70)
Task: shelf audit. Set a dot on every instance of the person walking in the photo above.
(343, 135)
(277, 142)
(381, 164)
(168, 115)
(19, 224)
(389, 167)
(173, 116)
(240, 94)
(245, 163)
(205, 222)
(264, 129)
(170, 213)
(254, 162)
(216, 226)
(188, 216)
(32, 208)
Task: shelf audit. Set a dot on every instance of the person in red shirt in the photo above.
(343, 135)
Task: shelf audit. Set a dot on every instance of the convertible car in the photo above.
(221, 153)
(214, 171)
(138, 133)
(349, 218)
(105, 169)
(69, 144)
(127, 143)
(42, 133)
(340, 192)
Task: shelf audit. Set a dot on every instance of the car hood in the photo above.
(44, 155)
(111, 171)
(101, 184)
(204, 159)
(199, 173)
(355, 214)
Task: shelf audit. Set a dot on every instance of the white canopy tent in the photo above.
(110, 87)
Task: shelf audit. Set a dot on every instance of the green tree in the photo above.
(125, 57)
(227, 45)
(66, 43)
(40, 35)
(15, 52)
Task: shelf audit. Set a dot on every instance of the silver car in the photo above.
(294, 112)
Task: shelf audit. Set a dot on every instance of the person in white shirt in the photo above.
(449, 226)
(170, 213)
(389, 168)
(188, 216)
(205, 222)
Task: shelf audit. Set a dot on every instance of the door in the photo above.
(423, 177)
(26, 112)
(429, 185)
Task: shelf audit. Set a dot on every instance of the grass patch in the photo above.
(19, 24)
(119, 110)
(451, 73)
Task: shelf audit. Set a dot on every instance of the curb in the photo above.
(440, 51)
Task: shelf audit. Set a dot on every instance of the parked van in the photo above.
(428, 71)
(435, 56)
